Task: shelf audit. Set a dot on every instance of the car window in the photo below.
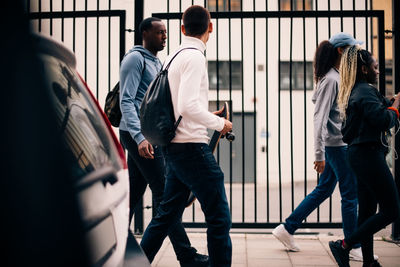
(87, 142)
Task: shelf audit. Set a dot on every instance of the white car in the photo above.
(99, 170)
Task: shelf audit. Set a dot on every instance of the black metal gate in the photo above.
(260, 60)
(97, 37)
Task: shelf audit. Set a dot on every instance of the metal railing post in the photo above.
(139, 10)
(396, 86)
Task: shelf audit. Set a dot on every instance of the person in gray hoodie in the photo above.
(146, 163)
(330, 150)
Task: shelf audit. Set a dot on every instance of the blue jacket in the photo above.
(135, 77)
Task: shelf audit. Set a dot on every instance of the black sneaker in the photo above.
(341, 255)
(374, 264)
(198, 260)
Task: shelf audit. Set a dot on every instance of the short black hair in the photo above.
(146, 24)
(195, 20)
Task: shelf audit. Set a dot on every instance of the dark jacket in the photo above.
(367, 117)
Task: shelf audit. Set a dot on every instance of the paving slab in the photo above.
(260, 250)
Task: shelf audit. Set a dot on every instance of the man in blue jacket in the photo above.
(145, 162)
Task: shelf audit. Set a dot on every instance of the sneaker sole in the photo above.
(352, 258)
(355, 259)
(337, 258)
(284, 243)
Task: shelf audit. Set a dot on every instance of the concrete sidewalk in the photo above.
(261, 250)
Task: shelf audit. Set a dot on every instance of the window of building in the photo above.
(296, 4)
(297, 75)
(223, 5)
(223, 74)
(389, 76)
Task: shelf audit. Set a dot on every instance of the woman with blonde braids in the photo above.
(329, 149)
(368, 117)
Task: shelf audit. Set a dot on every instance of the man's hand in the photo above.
(319, 166)
(227, 127)
(146, 150)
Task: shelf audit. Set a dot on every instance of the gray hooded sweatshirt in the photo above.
(327, 121)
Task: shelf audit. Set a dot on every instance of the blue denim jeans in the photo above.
(192, 167)
(143, 172)
(375, 186)
(337, 169)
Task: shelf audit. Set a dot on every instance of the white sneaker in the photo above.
(356, 255)
(286, 239)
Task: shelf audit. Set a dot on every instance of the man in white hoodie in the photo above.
(190, 163)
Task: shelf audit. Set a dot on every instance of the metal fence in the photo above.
(97, 37)
(268, 168)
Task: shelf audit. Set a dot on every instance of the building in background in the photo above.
(385, 5)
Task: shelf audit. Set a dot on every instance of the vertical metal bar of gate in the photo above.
(194, 204)
(279, 115)
(366, 26)
(40, 21)
(396, 85)
(255, 114)
(51, 19)
(381, 54)
(371, 30)
(109, 47)
(243, 121)
(305, 100)
(230, 101)
(291, 106)
(85, 47)
(316, 45)
(73, 27)
(354, 19)
(97, 52)
(267, 113)
(139, 218)
(341, 18)
(62, 22)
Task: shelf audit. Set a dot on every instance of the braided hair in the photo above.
(351, 64)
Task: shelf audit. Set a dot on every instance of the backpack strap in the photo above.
(169, 63)
(144, 61)
(166, 68)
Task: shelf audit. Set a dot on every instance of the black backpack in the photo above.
(111, 107)
(157, 119)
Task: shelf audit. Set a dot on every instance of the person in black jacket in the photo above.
(368, 117)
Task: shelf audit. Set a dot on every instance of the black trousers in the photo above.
(375, 186)
(143, 172)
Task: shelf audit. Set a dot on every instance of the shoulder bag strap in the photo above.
(169, 63)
